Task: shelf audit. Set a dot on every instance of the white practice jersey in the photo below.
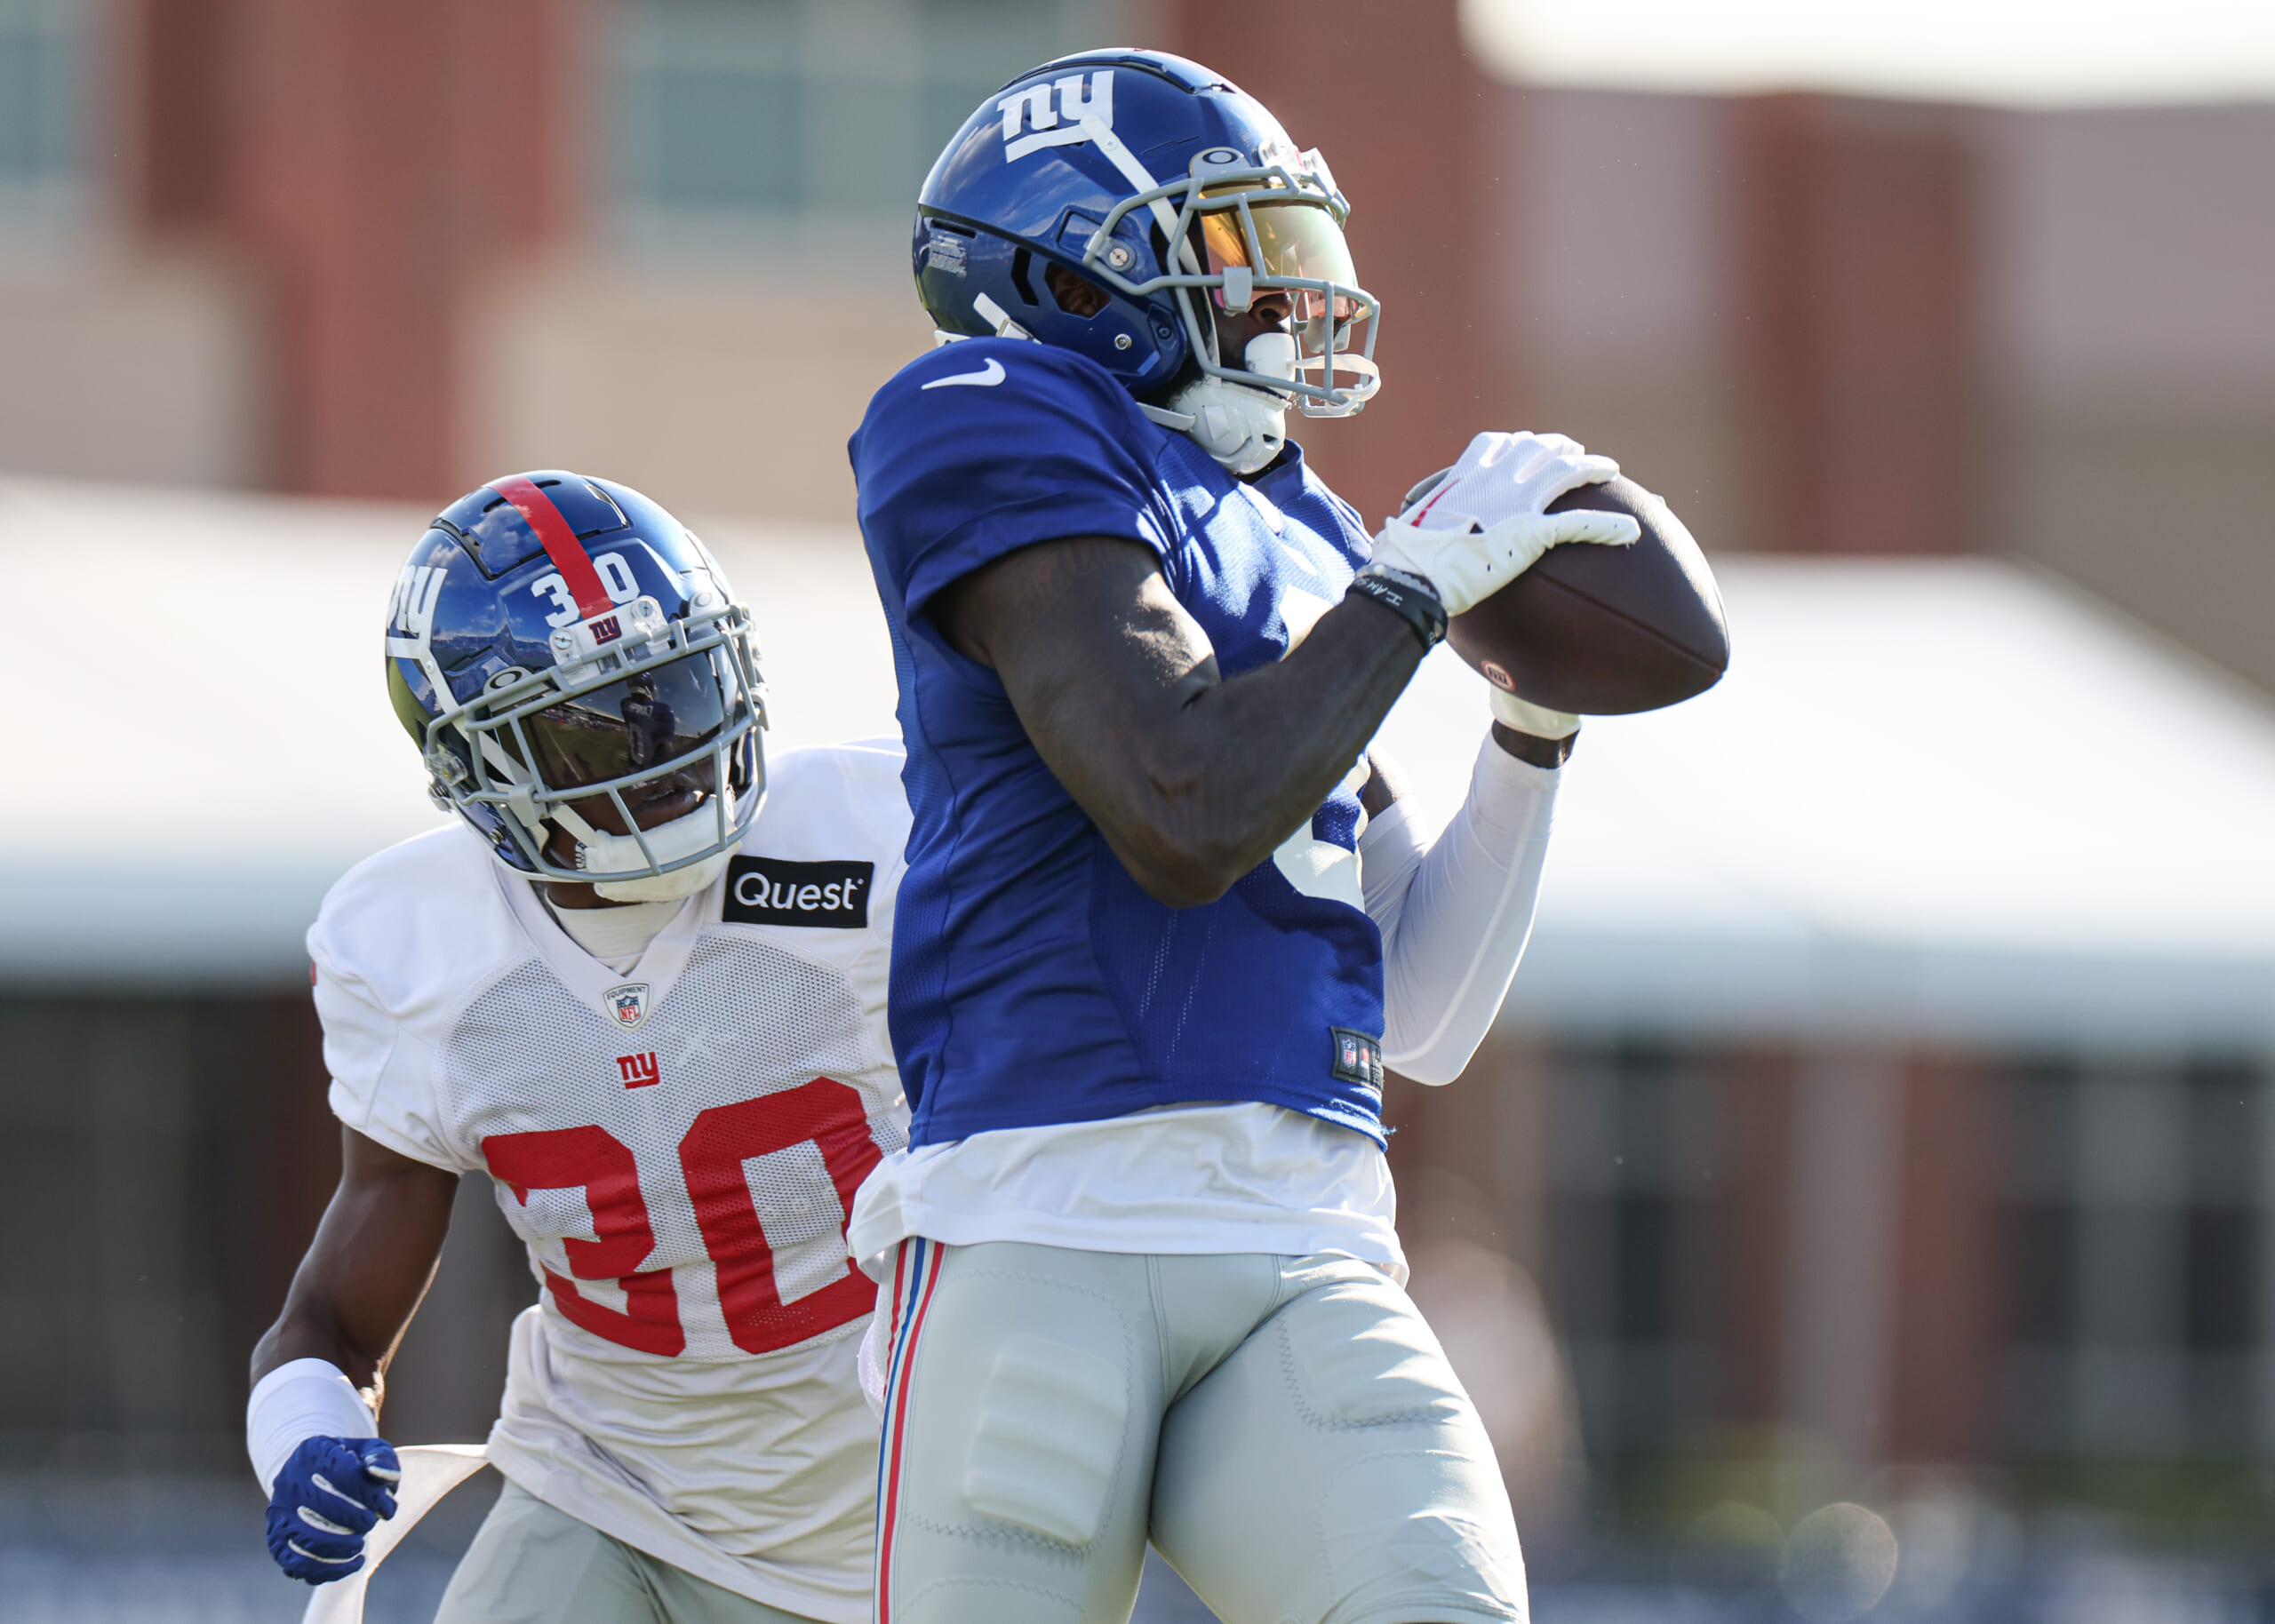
(679, 1145)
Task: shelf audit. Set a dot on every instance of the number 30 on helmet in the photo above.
(569, 658)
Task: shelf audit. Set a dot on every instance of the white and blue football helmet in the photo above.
(555, 640)
(1161, 184)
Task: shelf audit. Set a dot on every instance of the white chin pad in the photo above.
(1242, 428)
(664, 887)
(619, 856)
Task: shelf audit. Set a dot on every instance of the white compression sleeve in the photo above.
(300, 1399)
(1454, 915)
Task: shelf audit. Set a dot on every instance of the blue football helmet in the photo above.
(554, 639)
(1161, 185)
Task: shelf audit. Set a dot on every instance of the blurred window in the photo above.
(1635, 1163)
(2129, 1200)
(42, 97)
(750, 113)
(2135, 1195)
(2220, 1306)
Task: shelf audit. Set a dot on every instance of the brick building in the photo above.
(1847, 1195)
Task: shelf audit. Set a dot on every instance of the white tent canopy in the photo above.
(2019, 52)
(1945, 798)
(229, 751)
(1932, 797)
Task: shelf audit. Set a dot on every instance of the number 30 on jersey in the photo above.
(825, 1113)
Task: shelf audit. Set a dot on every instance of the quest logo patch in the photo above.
(826, 896)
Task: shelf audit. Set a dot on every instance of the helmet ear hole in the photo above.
(1022, 262)
(1076, 294)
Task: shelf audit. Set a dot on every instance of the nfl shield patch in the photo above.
(1358, 1057)
(628, 1005)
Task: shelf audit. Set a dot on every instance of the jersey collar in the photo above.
(585, 977)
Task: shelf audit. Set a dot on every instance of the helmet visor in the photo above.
(639, 724)
(1299, 240)
(1293, 240)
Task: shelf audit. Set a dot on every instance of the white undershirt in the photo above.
(1248, 1176)
(1239, 1178)
(616, 935)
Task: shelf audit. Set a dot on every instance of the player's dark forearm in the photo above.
(329, 1321)
(1194, 784)
(373, 1259)
(1192, 780)
(1549, 753)
(1247, 760)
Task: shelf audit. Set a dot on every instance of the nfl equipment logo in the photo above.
(1358, 1057)
(627, 1006)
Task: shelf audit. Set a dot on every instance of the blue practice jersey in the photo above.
(1033, 980)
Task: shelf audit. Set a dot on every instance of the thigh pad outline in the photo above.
(1421, 1527)
(1351, 1364)
(1049, 1439)
(1332, 1471)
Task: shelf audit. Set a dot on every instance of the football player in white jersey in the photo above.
(640, 984)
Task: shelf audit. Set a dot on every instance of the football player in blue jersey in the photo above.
(1164, 921)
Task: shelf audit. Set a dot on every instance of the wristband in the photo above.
(304, 1398)
(1408, 596)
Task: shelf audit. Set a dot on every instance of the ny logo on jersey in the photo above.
(1070, 122)
(638, 1070)
(628, 1005)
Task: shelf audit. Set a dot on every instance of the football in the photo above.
(1604, 631)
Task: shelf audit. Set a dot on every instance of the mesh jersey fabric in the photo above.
(1033, 981)
(682, 1180)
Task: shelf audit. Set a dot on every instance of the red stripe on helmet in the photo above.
(561, 543)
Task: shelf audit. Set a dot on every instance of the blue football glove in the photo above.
(329, 1495)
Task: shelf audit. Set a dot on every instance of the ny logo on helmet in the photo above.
(1063, 125)
(411, 606)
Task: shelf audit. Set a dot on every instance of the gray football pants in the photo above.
(1285, 1431)
(533, 1563)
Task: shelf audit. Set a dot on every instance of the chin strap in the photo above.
(1176, 422)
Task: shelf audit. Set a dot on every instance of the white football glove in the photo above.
(1473, 529)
